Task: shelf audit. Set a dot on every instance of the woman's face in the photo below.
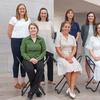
(43, 15)
(66, 28)
(91, 17)
(98, 29)
(22, 10)
(33, 30)
(70, 15)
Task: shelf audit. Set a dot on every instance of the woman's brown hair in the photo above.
(87, 21)
(96, 32)
(39, 18)
(66, 17)
(33, 25)
(17, 12)
(62, 25)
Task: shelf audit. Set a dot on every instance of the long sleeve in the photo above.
(82, 32)
(43, 50)
(23, 50)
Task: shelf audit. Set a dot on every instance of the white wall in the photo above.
(7, 10)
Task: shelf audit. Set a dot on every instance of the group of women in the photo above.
(32, 41)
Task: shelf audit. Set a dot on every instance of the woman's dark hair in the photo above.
(39, 18)
(33, 25)
(87, 21)
(96, 32)
(62, 25)
(66, 17)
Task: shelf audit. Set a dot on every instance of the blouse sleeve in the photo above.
(90, 44)
(12, 21)
(74, 42)
(78, 27)
(57, 42)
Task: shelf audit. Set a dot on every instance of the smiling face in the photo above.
(98, 29)
(66, 28)
(43, 15)
(91, 17)
(70, 15)
(21, 10)
(33, 29)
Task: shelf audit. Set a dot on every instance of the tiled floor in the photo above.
(8, 92)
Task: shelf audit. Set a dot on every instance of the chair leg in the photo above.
(77, 89)
(93, 90)
(25, 88)
(59, 83)
(59, 91)
(42, 90)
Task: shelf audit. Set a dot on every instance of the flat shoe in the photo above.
(17, 86)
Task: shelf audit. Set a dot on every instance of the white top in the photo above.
(94, 44)
(20, 29)
(90, 33)
(46, 31)
(65, 44)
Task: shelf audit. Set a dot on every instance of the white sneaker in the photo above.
(72, 94)
(67, 91)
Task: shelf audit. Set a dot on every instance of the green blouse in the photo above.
(30, 49)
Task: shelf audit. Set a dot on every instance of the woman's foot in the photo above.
(72, 94)
(42, 83)
(68, 90)
(17, 86)
(30, 95)
(51, 82)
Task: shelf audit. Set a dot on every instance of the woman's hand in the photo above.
(33, 60)
(69, 59)
(96, 58)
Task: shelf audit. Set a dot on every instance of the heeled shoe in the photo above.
(72, 94)
(67, 91)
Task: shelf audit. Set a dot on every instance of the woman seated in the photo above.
(94, 49)
(33, 50)
(67, 64)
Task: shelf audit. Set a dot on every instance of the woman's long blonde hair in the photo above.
(17, 12)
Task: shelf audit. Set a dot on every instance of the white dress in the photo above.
(94, 45)
(66, 46)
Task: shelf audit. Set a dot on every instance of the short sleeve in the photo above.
(57, 42)
(74, 42)
(29, 20)
(90, 44)
(78, 28)
(12, 21)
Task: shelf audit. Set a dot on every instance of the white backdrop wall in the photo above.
(7, 10)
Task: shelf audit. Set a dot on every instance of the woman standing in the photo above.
(17, 30)
(75, 29)
(88, 30)
(94, 49)
(46, 31)
(67, 64)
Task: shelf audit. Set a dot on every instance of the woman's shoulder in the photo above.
(40, 38)
(92, 38)
(71, 36)
(13, 18)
